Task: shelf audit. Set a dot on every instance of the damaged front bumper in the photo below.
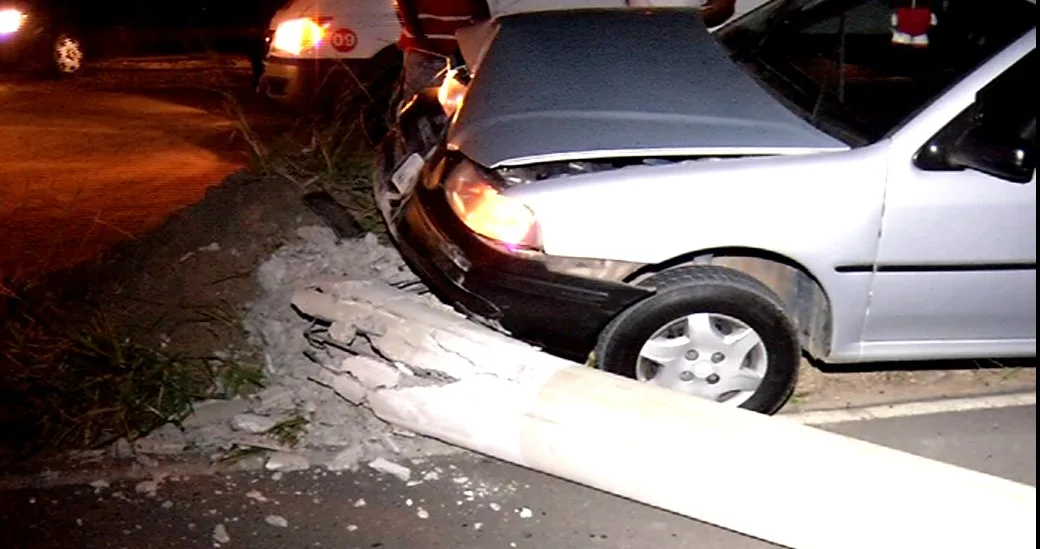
(526, 295)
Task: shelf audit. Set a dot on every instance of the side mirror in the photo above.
(993, 153)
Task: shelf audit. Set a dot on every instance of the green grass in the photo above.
(69, 380)
(288, 431)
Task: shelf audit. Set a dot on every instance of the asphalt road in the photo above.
(472, 504)
(89, 161)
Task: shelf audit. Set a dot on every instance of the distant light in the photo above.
(10, 21)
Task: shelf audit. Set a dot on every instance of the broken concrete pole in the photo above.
(766, 477)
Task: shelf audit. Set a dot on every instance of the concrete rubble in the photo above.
(277, 521)
(385, 466)
(220, 534)
(420, 365)
(311, 393)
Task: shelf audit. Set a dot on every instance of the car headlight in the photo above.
(452, 90)
(11, 20)
(297, 36)
(478, 202)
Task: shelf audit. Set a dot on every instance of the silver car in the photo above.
(698, 210)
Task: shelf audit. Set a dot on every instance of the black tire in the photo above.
(708, 289)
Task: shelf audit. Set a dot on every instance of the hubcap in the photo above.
(707, 355)
(68, 54)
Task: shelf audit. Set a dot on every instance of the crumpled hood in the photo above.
(565, 85)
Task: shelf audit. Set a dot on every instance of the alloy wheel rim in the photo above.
(708, 355)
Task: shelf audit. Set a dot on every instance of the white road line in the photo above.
(909, 409)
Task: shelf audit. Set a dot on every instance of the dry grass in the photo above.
(331, 151)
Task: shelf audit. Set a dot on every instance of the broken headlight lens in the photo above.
(481, 206)
(452, 90)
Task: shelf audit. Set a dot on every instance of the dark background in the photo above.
(157, 27)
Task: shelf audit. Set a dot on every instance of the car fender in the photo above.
(816, 210)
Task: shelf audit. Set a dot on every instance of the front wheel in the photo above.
(709, 332)
(64, 56)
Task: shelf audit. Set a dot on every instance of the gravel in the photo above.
(277, 521)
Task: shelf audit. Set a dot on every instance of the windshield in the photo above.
(841, 66)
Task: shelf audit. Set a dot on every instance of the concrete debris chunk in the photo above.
(166, 440)
(257, 441)
(220, 534)
(304, 373)
(277, 521)
(253, 423)
(284, 461)
(210, 412)
(348, 459)
(372, 373)
(122, 449)
(343, 385)
(336, 412)
(386, 466)
(343, 332)
(273, 400)
(256, 496)
(147, 488)
(390, 443)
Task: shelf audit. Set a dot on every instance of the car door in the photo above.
(956, 267)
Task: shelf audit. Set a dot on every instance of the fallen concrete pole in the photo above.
(440, 375)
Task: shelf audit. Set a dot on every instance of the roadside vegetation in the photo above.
(69, 379)
(72, 377)
(331, 149)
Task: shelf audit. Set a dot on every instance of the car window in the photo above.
(838, 63)
(1004, 111)
(1007, 105)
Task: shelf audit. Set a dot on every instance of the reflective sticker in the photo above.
(343, 40)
